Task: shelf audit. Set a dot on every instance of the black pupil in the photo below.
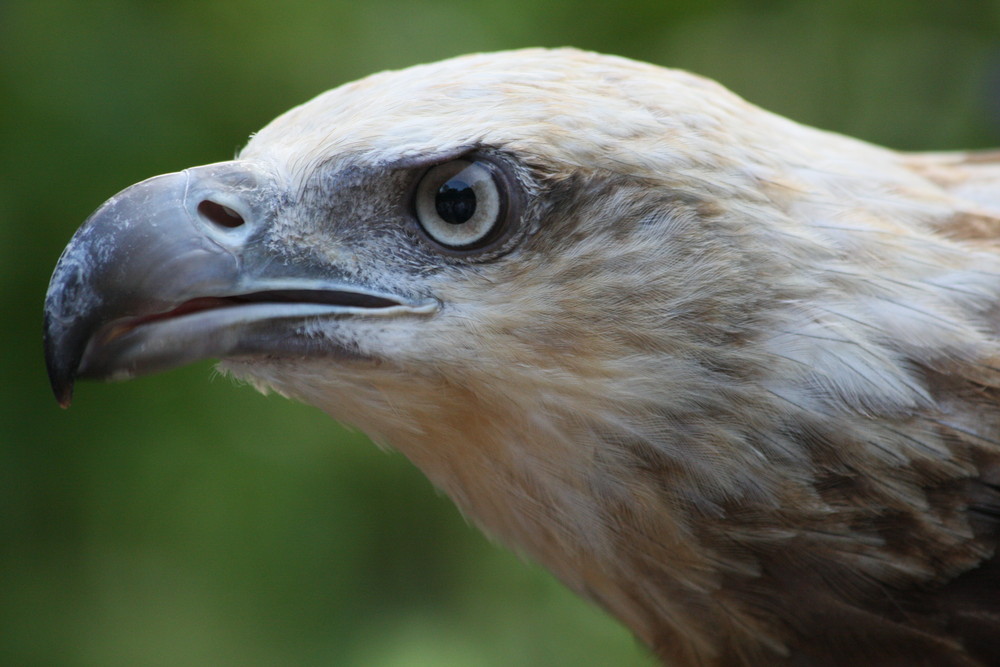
(456, 201)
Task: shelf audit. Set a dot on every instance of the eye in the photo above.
(460, 204)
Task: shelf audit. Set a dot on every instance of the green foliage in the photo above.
(181, 520)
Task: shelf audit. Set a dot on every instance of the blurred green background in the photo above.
(181, 520)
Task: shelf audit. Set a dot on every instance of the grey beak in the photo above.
(174, 269)
(152, 246)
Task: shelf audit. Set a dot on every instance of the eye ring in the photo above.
(462, 205)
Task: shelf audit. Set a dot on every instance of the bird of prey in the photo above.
(734, 379)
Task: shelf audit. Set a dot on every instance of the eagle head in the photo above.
(730, 377)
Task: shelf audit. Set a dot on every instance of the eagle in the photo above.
(734, 379)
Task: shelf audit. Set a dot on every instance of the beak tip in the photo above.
(62, 387)
(64, 397)
(61, 370)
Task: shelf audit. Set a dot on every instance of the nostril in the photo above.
(221, 215)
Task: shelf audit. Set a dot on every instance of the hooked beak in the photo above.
(176, 269)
